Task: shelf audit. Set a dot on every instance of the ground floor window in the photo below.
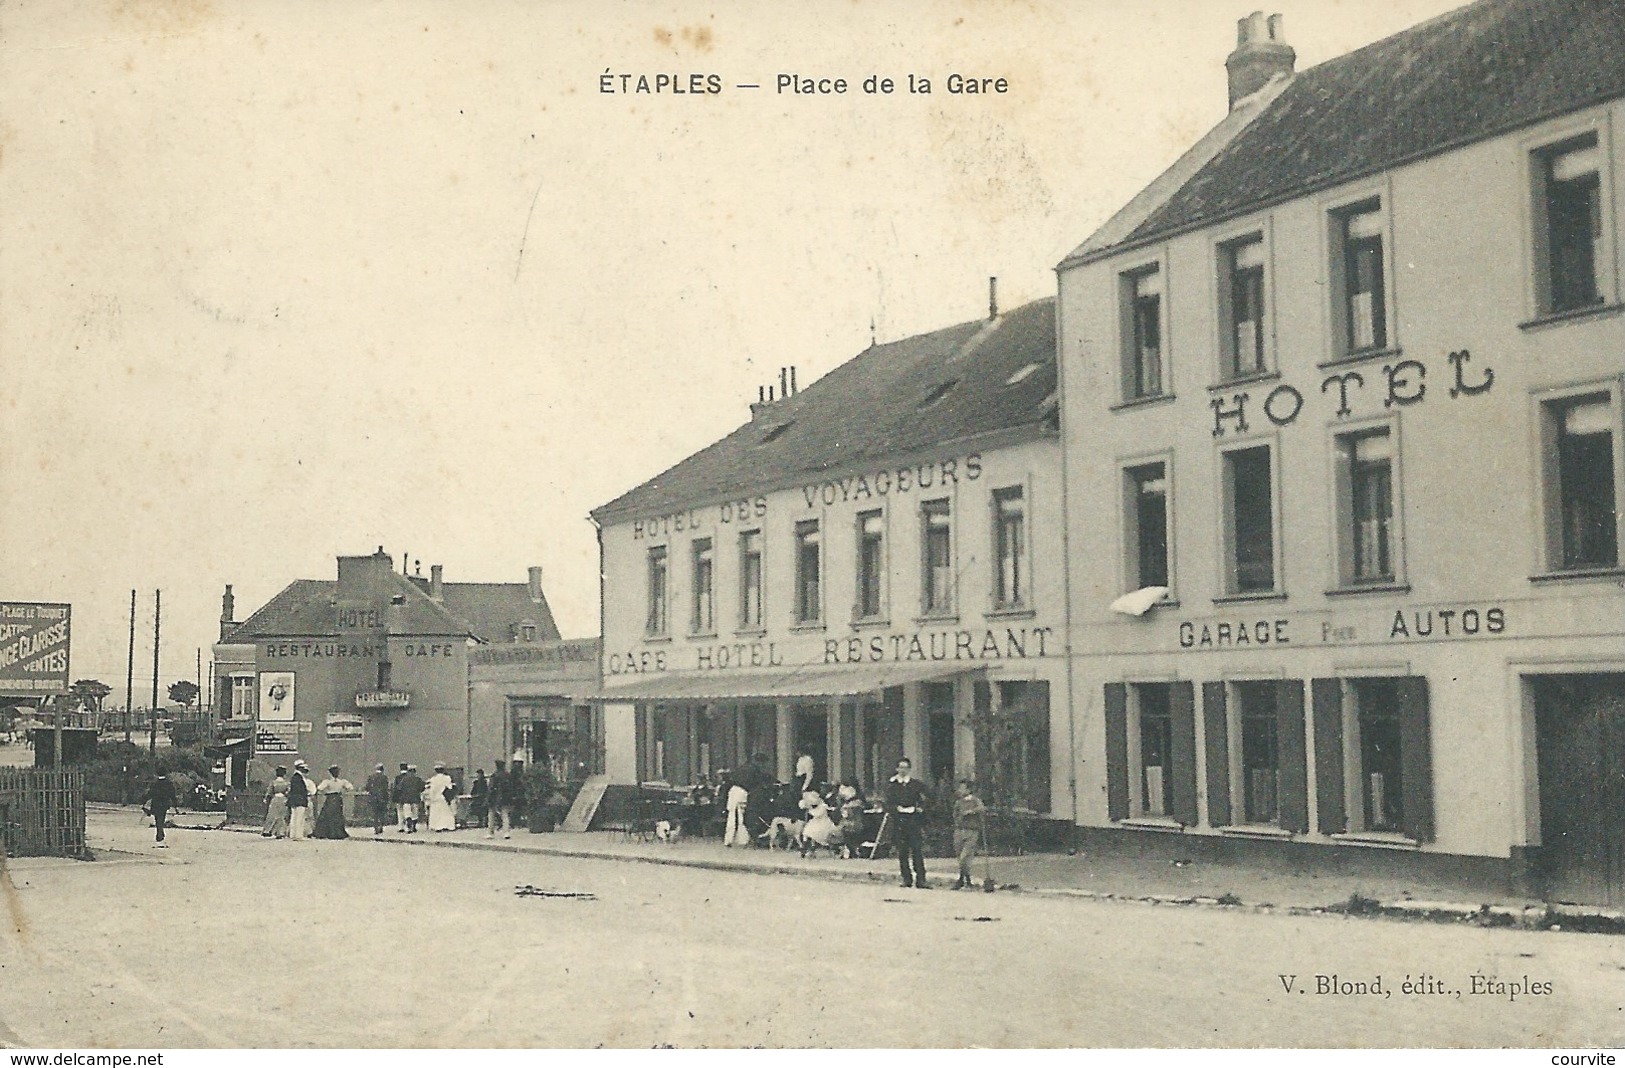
(1373, 767)
(1254, 741)
(1154, 719)
(1260, 751)
(1151, 751)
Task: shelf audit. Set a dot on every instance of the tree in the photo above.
(184, 692)
(90, 693)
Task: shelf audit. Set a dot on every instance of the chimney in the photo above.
(784, 382)
(1261, 54)
(436, 586)
(993, 298)
(764, 400)
(536, 584)
(228, 612)
(793, 389)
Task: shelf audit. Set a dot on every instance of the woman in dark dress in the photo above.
(330, 805)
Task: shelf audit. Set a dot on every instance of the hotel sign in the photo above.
(374, 699)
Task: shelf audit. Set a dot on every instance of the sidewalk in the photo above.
(1102, 877)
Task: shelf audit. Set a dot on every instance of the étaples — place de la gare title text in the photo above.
(613, 83)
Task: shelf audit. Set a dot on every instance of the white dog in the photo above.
(667, 831)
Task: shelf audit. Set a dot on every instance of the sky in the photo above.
(281, 281)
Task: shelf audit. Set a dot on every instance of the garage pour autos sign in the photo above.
(33, 647)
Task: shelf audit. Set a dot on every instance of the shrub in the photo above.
(118, 763)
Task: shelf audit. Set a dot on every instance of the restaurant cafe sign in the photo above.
(919, 646)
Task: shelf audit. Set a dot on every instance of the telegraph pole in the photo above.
(152, 718)
(129, 674)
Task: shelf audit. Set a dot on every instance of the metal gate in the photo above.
(42, 812)
(1580, 737)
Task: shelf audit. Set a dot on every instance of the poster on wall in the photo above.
(276, 738)
(343, 725)
(276, 696)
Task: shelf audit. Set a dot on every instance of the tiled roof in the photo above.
(1490, 67)
(933, 389)
(490, 609)
(484, 610)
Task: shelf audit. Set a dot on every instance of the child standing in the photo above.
(968, 822)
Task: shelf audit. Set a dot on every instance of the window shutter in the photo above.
(1182, 709)
(1293, 767)
(1416, 757)
(1326, 695)
(1216, 726)
(1116, 751)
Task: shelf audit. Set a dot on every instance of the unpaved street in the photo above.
(233, 940)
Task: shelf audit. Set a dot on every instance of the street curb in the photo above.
(1572, 918)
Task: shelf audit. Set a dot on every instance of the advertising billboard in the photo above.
(33, 648)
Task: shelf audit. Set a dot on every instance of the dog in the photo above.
(785, 833)
(668, 832)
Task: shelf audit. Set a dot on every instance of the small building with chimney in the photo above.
(869, 568)
(372, 667)
(1343, 412)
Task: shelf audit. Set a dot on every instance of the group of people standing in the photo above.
(291, 797)
(406, 801)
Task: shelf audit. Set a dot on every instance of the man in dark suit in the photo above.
(905, 804)
(499, 795)
(378, 795)
(160, 799)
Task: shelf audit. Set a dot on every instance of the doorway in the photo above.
(1580, 750)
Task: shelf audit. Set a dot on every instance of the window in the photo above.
(750, 580)
(1582, 477)
(1156, 786)
(809, 600)
(383, 674)
(1148, 523)
(1357, 239)
(938, 580)
(1142, 333)
(1375, 755)
(1366, 489)
(1568, 206)
(871, 564)
(656, 623)
(1241, 296)
(1373, 767)
(527, 632)
(1250, 533)
(242, 697)
(1260, 751)
(704, 618)
(1009, 547)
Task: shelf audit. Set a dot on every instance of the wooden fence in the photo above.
(42, 812)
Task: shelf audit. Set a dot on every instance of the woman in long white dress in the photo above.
(736, 834)
(442, 816)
